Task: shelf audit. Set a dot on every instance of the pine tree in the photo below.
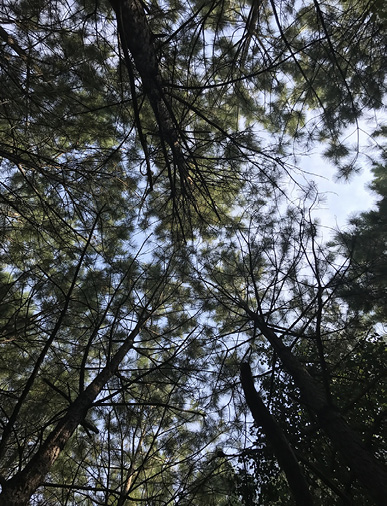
(150, 246)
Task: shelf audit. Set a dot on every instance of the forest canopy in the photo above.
(174, 328)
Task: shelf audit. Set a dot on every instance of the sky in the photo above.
(340, 200)
(343, 199)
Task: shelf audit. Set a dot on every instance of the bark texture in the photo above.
(368, 470)
(137, 38)
(18, 490)
(282, 449)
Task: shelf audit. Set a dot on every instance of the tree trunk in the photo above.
(18, 490)
(368, 470)
(137, 38)
(282, 449)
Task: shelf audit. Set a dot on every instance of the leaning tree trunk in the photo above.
(18, 490)
(137, 41)
(367, 469)
(282, 449)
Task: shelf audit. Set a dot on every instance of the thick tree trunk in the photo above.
(282, 449)
(18, 490)
(137, 38)
(368, 470)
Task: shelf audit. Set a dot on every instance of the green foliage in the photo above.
(112, 234)
(365, 243)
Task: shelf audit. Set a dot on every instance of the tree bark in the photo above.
(282, 449)
(18, 490)
(368, 470)
(137, 38)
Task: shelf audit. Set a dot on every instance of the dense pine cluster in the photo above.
(174, 329)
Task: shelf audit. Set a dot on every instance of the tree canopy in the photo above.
(173, 328)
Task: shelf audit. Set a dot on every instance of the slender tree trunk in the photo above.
(368, 470)
(18, 490)
(282, 449)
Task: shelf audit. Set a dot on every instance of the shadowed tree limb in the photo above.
(368, 470)
(282, 449)
(18, 490)
(137, 38)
